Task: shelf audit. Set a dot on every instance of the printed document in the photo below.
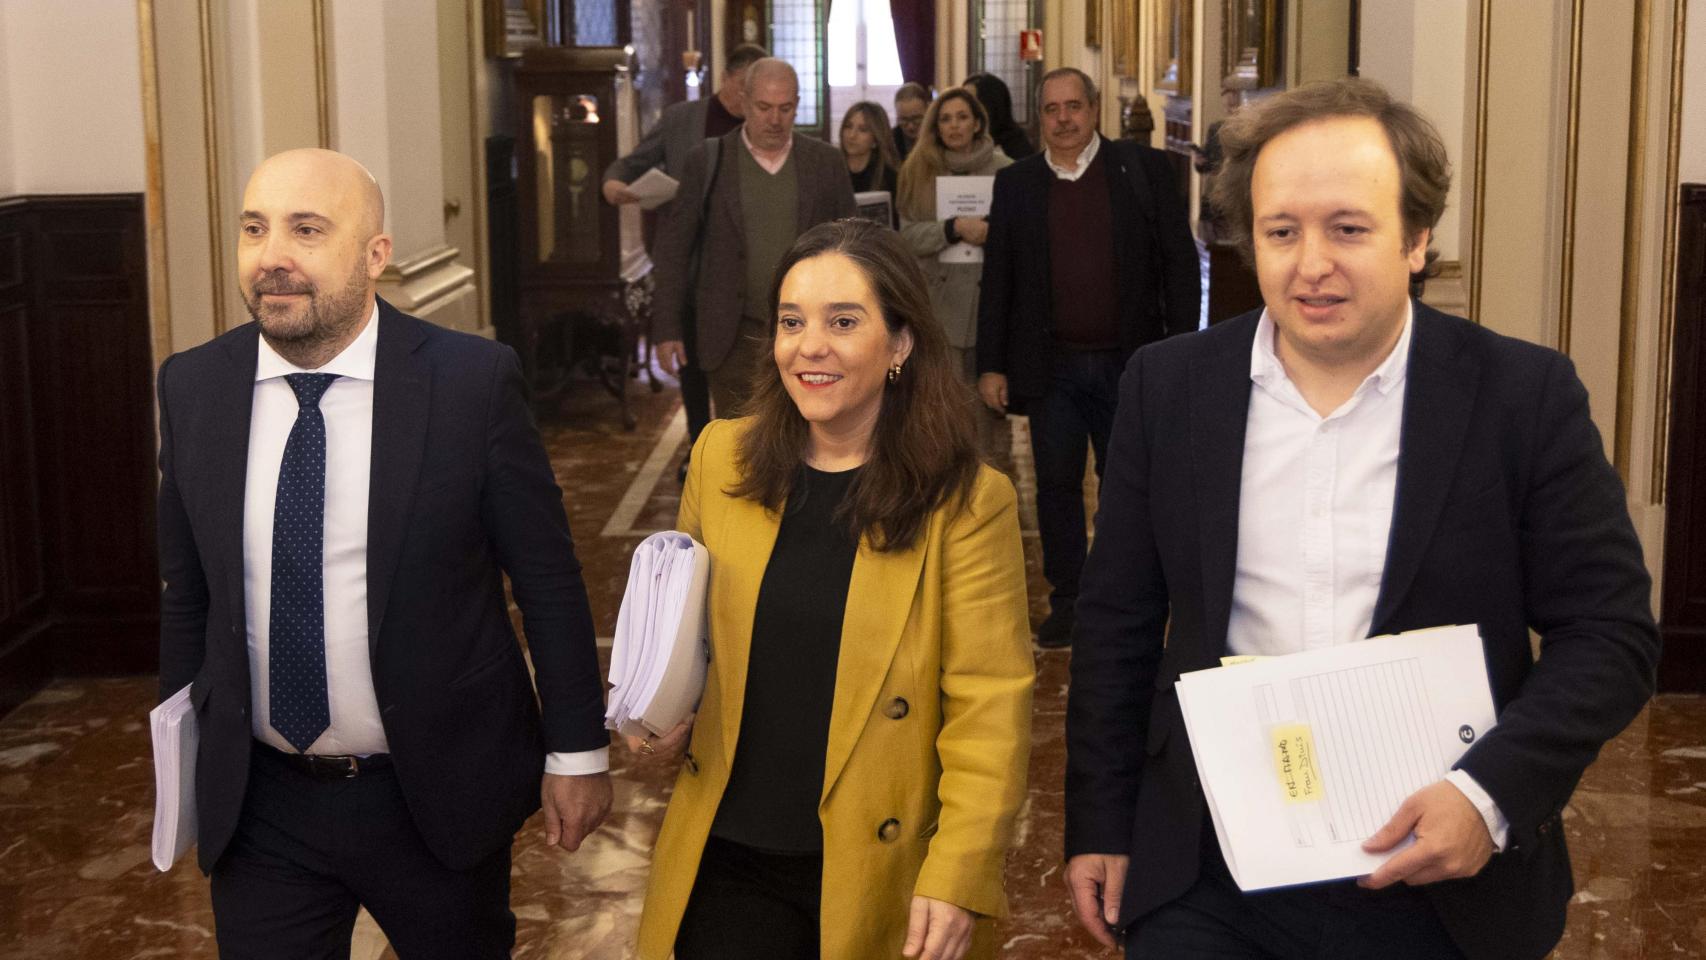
(1303, 757)
(172, 726)
(658, 658)
(962, 197)
(654, 188)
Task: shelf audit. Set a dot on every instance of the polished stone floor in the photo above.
(76, 785)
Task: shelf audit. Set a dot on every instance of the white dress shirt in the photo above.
(1315, 515)
(347, 408)
(771, 165)
(1084, 157)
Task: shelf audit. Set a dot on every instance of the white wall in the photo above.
(1416, 49)
(1692, 162)
(6, 135)
(72, 94)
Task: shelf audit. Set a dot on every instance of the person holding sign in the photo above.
(1348, 463)
(858, 759)
(953, 142)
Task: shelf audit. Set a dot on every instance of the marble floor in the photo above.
(76, 785)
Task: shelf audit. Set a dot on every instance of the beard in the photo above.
(321, 318)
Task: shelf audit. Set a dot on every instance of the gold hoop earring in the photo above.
(894, 373)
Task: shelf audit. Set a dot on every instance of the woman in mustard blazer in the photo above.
(858, 758)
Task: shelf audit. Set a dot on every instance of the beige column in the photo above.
(386, 112)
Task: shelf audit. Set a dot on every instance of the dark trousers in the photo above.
(309, 852)
(1075, 414)
(695, 387)
(1214, 920)
(748, 902)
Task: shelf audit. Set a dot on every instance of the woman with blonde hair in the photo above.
(954, 141)
(858, 759)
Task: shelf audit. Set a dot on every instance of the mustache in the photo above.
(279, 282)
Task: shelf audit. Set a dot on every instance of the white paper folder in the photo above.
(659, 657)
(1303, 757)
(172, 727)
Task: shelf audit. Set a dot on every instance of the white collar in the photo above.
(1265, 366)
(1084, 157)
(355, 361)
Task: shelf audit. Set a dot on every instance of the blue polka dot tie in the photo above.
(296, 628)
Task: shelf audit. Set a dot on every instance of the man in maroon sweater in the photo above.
(1089, 257)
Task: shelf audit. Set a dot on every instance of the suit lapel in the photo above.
(879, 601)
(402, 387)
(228, 435)
(1439, 397)
(1219, 412)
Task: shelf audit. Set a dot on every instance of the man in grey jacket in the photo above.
(767, 185)
(683, 126)
(680, 128)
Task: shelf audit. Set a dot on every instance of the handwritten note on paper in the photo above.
(1294, 761)
(1302, 757)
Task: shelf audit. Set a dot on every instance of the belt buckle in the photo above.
(336, 766)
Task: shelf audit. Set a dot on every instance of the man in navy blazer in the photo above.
(1089, 256)
(343, 488)
(1348, 463)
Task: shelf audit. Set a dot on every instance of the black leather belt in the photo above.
(322, 766)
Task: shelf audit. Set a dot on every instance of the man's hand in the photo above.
(1451, 839)
(992, 387)
(937, 930)
(667, 746)
(617, 193)
(672, 356)
(972, 230)
(574, 807)
(1097, 880)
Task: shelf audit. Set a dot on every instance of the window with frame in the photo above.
(797, 35)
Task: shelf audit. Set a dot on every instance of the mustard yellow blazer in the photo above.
(929, 733)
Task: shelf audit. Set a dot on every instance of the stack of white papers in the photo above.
(1303, 757)
(173, 728)
(654, 188)
(658, 660)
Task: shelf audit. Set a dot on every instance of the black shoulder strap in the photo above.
(713, 161)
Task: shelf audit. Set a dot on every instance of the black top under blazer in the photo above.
(1506, 515)
(461, 493)
(1158, 274)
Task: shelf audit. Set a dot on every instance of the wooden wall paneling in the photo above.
(79, 581)
(97, 442)
(23, 599)
(1682, 607)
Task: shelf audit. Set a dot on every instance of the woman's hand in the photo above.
(972, 230)
(668, 746)
(937, 930)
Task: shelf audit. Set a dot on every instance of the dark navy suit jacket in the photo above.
(461, 493)
(1506, 515)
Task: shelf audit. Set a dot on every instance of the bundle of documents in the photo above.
(173, 729)
(1303, 757)
(657, 664)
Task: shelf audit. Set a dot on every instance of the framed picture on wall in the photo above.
(1253, 30)
(1173, 26)
(1092, 23)
(512, 26)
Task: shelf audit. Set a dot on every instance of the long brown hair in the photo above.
(885, 155)
(925, 162)
(923, 449)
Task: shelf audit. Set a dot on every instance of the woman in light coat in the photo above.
(954, 141)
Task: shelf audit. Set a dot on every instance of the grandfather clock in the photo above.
(585, 277)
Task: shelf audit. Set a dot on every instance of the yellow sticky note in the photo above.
(1243, 658)
(1294, 761)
